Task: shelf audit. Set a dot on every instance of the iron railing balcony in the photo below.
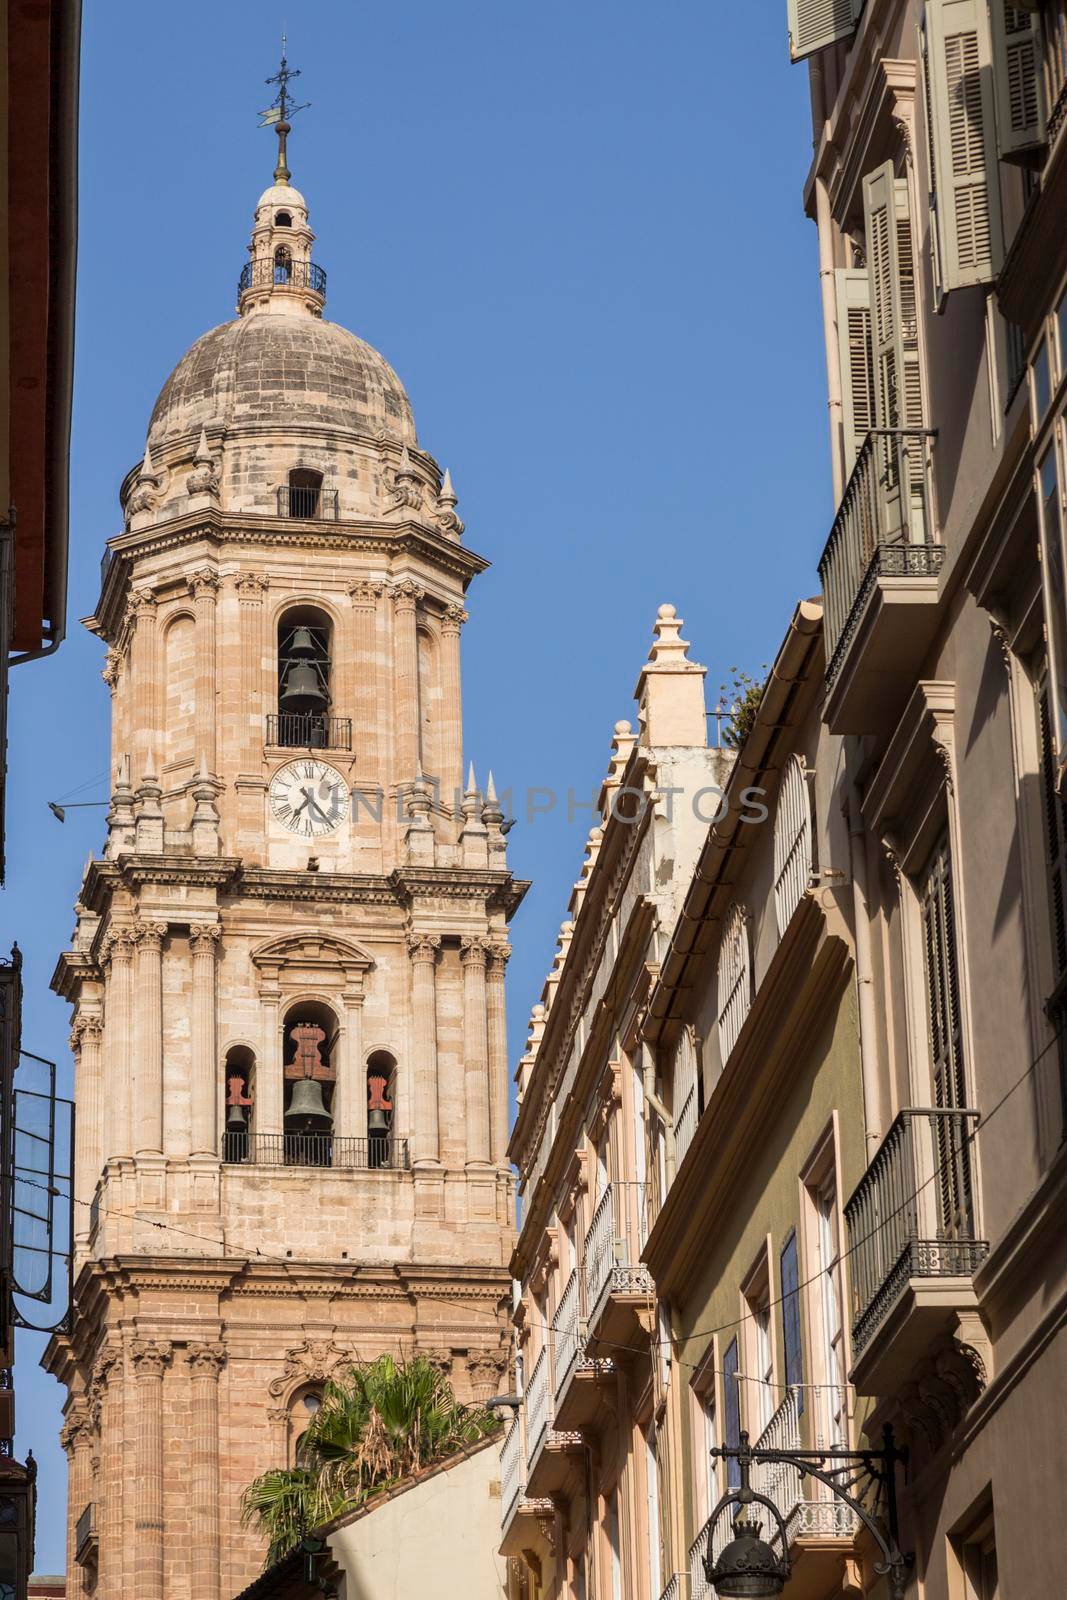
(266, 273)
(912, 1230)
(878, 571)
(538, 1410)
(512, 1475)
(303, 503)
(378, 1153)
(677, 1587)
(85, 1539)
(565, 1340)
(614, 1287)
(308, 730)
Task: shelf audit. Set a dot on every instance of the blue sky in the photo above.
(575, 229)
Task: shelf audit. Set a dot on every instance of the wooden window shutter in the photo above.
(856, 358)
(898, 393)
(814, 24)
(1017, 80)
(965, 181)
(794, 1366)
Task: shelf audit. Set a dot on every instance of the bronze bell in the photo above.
(307, 1112)
(303, 643)
(303, 689)
(236, 1119)
(377, 1122)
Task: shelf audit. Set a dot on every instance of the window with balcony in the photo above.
(1054, 54)
(655, 1555)
(826, 1298)
(758, 1338)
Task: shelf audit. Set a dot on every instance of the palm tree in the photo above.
(380, 1422)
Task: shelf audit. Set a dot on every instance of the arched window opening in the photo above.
(304, 671)
(309, 1040)
(734, 979)
(239, 1083)
(304, 1407)
(305, 492)
(282, 219)
(283, 265)
(381, 1103)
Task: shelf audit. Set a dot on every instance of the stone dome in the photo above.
(281, 370)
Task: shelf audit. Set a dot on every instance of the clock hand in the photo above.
(309, 799)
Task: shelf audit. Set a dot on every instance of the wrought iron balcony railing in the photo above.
(265, 273)
(883, 528)
(537, 1408)
(85, 1535)
(512, 1479)
(309, 730)
(565, 1339)
(302, 503)
(912, 1214)
(607, 1253)
(379, 1153)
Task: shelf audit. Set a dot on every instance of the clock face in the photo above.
(309, 798)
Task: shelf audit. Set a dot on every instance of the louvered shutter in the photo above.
(898, 391)
(855, 356)
(813, 24)
(965, 180)
(1017, 80)
(794, 1364)
(731, 1399)
(792, 842)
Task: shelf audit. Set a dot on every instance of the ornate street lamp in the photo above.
(749, 1568)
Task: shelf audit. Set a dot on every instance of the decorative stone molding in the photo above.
(367, 591)
(85, 1027)
(313, 1361)
(406, 490)
(112, 669)
(449, 523)
(149, 935)
(486, 1368)
(205, 937)
(278, 1416)
(204, 478)
(324, 954)
(117, 945)
(205, 1360)
(423, 947)
(545, 1259)
(150, 1358)
(452, 620)
(499, 956)
(440, 1357)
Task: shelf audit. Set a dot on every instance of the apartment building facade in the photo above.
(852, 1182)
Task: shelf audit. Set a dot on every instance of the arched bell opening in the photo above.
(309, 1043)
(283, 264)
(305, 668)
(381, 1103)
(302, 1408)
(305, 492)
(238, 1078)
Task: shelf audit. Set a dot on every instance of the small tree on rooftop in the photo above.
(740, 697)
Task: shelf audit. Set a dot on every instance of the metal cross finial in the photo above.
(280, 112)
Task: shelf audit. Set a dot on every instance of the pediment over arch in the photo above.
(311, 957)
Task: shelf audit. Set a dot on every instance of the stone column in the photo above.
(74, 1437)
(473, 953)
(269, 1095)
(250, 591)
(204, 587)
(85, 1042)
(364, 702)
(498, 1053)
(150, 1359)
(350, 1115)
(452, 706)
(143, 680)
(148, 1037)
(406, 597)
(426, 1137)
(205, 1363)
(204, 1087)
(107, 1377)
(117, 1135)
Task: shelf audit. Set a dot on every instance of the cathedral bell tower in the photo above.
(287, 975)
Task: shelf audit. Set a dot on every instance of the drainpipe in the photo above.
(652, 1099)
(868, 1017)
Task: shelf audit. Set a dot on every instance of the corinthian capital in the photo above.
(204, 582)
(204, 937)
(149, 935)
(474, 952)
(205, 1360)
(452, 621)
(150, 1357)
(250, 587)
(424, 947)
(366, 591)
(111, 668)
(499, 956)
(406, 594)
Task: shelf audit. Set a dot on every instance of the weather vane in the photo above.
(280, 112)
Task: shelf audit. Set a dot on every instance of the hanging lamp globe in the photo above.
(748, 1568)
